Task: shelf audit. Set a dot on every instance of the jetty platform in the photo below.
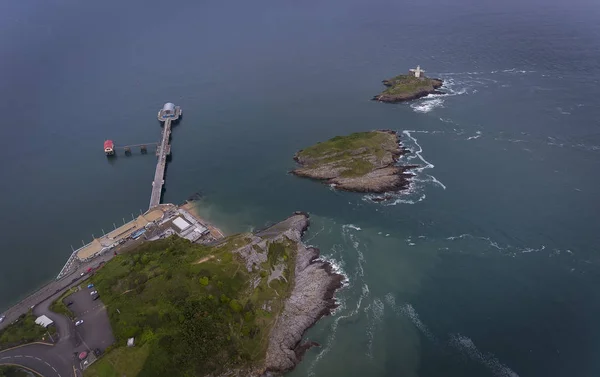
(167, 115)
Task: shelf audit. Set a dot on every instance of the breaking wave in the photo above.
(466, 346)
(407, 310)
(414, 193)
(436, 100)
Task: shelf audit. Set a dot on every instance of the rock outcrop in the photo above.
(361, 162)
(407, 87)
(311, 298)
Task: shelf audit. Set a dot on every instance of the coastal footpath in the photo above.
(360, 162)
(407, 87)
(237, 307)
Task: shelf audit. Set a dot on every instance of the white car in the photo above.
(93, 293)
(2, 318)
(79, 322)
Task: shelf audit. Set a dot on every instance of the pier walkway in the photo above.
(168, 114)
(159, 175)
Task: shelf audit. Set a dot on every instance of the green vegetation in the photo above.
(59, 306)
(358, 153)
(10, 371)
(25, 330)
(193, 309)
(403, 84)
(122, 361)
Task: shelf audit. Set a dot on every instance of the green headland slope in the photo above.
(223, 309)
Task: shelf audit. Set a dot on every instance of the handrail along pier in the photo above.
(167, 115)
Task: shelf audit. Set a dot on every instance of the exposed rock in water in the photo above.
(361, 162)
(408, 87)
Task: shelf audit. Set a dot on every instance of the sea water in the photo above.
(487, 266)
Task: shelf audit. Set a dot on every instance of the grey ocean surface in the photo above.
(489, 266)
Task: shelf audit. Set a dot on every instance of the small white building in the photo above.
(181, 224)
(44, 321)
(417, 71)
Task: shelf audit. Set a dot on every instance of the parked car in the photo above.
(79, 322)
(93, 293)
(69, 303)
(82, 355)
(90, 285)
(96, 297)
(2, 318)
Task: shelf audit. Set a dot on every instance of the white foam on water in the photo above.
(468, 348)
(427, 105)
(347, 234)
(406, 201)
(374, 312)
(418, 154)
(336, 267)
(334, 325)
(436, 100)
(477, 136)
(465, 235)
(531, 250)
(352, 226)
(407, 310)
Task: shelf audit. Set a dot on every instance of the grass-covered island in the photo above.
(361, 162)
(236, 308)
(407, 87)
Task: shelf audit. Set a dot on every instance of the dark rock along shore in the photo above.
(312, 297)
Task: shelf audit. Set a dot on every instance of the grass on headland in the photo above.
(25, 330)
(122, 361)
(189, 318)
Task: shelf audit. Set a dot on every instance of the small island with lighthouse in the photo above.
(408, 87)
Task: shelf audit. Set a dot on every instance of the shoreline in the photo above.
(312, 297)
(190, 207)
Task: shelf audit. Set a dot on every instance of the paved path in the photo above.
(47, 360)
(59, 286)
(159, 174)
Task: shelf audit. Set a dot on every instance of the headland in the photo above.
(236, 307)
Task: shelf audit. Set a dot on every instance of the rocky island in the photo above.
(408, 87)
(361, 162)
(238, 307)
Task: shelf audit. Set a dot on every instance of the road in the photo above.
(46, 360)
(60, 359)
(58, 286)
(35, 363)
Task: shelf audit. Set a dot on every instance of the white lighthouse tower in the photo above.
(417, 71)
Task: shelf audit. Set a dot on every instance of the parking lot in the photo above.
(95, 331)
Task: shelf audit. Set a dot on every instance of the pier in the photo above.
(169, 114)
